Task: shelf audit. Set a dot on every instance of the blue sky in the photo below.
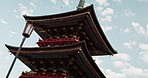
(125, 23)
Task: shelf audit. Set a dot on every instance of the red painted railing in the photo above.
(57, 42)
(44, 75)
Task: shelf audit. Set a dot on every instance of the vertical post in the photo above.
(81, 4)
(16, 55)
(26, 33)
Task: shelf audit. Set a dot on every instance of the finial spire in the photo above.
(81, 4)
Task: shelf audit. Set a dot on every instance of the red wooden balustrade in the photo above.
(45, 75)
(57, 42)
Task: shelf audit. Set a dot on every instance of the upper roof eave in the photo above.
(88, 8)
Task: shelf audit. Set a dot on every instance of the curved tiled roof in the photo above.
(85, 15)
(78, 51)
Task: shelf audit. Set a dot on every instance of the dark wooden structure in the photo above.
(68, 42)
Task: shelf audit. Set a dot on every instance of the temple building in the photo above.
(66, 46)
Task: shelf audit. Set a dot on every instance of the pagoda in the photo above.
(66, 46)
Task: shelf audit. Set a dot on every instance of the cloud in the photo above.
(103, 2)
(32, 4)
(135, 24)
(1, 52)
(107, 11)
(111, 74)
(119, 64)
(66, 2)
(15, 11)
(87, 4)
(130, 70)
(144, 56)
(107, 28)
(126, 30)
(106, 14)
(54, 1)
(128, 12)
(3, 21)
(129, 44)
(135, 72)
(99, 9)
(143, 46)
(118, 1)
(140, 29)
(106, 19)
(98, 61)
(122, 56)
(12, 32)
(144, 53)
(24, 10)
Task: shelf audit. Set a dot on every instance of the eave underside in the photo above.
(76, 61)
(80, 25)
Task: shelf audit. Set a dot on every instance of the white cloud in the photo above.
(111, 74)
(140, 29)
(146, 72)
(3, 21)
(32, 4)
(122, 56)
(12, 32)
(87, 4)
(135, 72)
(143, 46)
(107, 11)
(107, 28)
(118, 1)
(130, 70)
(15, 11)
(128, 12)
(126, 30)
(54, 1)
(66, 2)
(103, 2)
(119, 64)
(1, 52)
(130, 44)
(144, 56)
(106, 19)
(144, 53)
(98, 61)
(135, 24)
(99, 9)
(24, 10)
